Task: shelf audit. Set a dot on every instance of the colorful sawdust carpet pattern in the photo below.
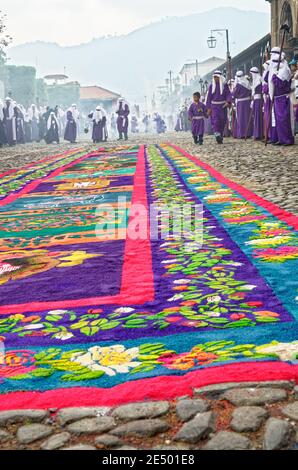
(109, 317)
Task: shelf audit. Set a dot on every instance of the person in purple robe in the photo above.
(196, 114)
(218, 100)
(20, 125)
(269, 130)
(10, 122)
(33, 115)
(99, 120)
(257, 104)
(146, 123)
(71, 130)
(242, 97)
(134, 125)
(281, 81)
(123, 112)
(159, 123)
(52, 134)
(3, 139)
(179, 122)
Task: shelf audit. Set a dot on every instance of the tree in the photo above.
(5, 39)
(22, 84)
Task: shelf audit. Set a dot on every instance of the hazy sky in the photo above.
(69, 22)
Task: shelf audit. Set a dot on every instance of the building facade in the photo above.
(285, 11)
(253, 56)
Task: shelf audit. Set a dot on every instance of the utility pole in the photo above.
(171, 80)
(197, 68)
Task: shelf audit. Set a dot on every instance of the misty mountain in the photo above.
(134, 64)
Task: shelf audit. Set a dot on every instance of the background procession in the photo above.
(262, 105)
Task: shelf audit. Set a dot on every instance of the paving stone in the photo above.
(254, 396)
(108, 440)
(296, 391)
(80, 447)
(214, 391)
(146, 427)
(172, 447)
(198, 428)
(277, 434)
(125, 448)
(17, 416)
(188, 408)
(291, 411)
(68, 415)
(92, 425)
(33, 432)
(248, 418)
(225, 440)
(5, 436)
(144, 410)
(56, 441)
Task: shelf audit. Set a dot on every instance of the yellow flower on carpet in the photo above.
(111, 359)
(74, 259)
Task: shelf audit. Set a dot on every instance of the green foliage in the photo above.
(63, 95)
(41, 92)
(22, 84)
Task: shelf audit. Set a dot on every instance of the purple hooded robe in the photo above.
(216, 102)
(196, 114)
(242, 95)
(282, 110)
(258, 113)
(122, 120)
(70, 133)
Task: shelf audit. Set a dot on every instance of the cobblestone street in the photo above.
(247, 416)
(233, 416)
(271, 172)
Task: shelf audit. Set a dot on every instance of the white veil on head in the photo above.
(75, 112)
(240, 79)
(222, 81)
(98, 114)
(123, 102)
(51, 116)
(256, 78)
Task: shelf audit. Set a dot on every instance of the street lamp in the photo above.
(212, 42)
(201, 81)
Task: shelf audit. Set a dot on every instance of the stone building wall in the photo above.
(285, 11)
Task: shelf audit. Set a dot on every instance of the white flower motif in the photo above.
(110, 359)
(285, 351)
(34, 326)
(124, 310)
(175, 297)
(213, 314)
(248, 287)
(214, 299)
(182, 281)
(63, 335)
(57, 312)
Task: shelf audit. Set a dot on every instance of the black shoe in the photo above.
(195, 139)
(219, 139)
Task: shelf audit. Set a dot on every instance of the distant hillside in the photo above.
(136, 63)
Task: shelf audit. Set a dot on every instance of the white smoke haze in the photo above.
(71, 22)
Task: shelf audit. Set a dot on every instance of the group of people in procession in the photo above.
(35, 124)
(262, 106)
